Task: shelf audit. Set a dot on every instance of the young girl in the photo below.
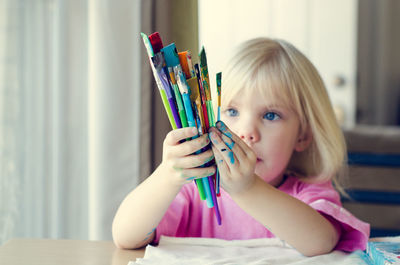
(278, 150)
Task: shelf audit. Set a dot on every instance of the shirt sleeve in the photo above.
(175, 220)
(354, 233)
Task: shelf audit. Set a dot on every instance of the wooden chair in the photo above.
(374, 177)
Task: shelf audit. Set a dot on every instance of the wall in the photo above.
(378, 90)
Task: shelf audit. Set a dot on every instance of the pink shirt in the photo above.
(189, 216)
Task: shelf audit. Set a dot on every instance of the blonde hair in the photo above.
(278, 70)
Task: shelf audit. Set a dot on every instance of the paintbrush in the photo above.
(202, 96)
(160, 86)
(184, 63)
(206, 86)
(218, 77)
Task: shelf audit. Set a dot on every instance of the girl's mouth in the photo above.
(259, 159)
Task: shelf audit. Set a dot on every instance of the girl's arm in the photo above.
(140, 212)
(288, 218)
(285, 216)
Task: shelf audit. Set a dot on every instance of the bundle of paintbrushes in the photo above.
(185, 93)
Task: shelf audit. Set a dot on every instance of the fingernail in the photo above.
(194, 130)
(221, 125)
(212, 135)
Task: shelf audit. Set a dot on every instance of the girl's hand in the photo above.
(236, 161)
(179, 161)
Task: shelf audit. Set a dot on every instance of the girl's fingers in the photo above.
(196, 173)
(226, 153)
(234, 146)
(189, 147)
(193, 161)
(221, 126)
(219, 160)
(175, 136)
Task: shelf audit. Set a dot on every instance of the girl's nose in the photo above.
(250, 135)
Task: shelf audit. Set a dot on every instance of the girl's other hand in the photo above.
(179, 160)
(236, 161)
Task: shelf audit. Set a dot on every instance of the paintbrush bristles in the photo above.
(156, 42)
(182, 84)
(219, 76)
(199, 82)
(190, 64)
(196, 99)
(204, 73)
(194, 88)
(184, 63)
(171, 55)
(203, 57)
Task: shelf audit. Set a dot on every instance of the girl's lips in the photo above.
(258, 159)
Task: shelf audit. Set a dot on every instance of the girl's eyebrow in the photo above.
(236, 103)
(274, 107)
(232, 102)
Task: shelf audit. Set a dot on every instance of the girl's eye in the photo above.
(231, 112)
(271, 116)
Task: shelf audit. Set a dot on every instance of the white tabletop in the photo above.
(65, 252)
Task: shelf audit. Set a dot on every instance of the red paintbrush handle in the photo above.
(205, 114)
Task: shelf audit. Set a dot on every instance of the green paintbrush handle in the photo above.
(168, 109)
(210, 113)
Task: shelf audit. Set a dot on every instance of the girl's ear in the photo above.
(303, 141)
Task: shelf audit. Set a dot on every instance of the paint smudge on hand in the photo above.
(232, 158)
(149, 234)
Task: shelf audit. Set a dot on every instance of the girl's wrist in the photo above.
(246, 188)
(164, 174)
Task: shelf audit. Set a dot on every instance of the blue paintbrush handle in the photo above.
(192, 123)
(188, 110)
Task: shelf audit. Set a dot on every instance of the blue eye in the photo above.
(232, 112)
(271, 116)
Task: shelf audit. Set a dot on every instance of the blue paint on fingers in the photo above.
(231, 145)
(230, 154)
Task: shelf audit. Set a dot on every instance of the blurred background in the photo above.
(81, 120)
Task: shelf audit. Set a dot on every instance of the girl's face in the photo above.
(271, 130)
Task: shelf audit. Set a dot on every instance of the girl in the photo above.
(278, 149)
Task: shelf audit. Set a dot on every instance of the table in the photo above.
(65, 252)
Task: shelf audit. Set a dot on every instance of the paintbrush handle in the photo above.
(175, 113)
(168, 109)
(192, 123)
(200, 188)
(210, 112)
(205, 116)
(207, 189)
(179, 103)
(214, 198)
(189, 111)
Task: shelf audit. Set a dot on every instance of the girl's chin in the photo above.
(272, 180)
(260, 171)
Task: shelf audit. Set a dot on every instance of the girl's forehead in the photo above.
(270, 95)
(267, 80)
